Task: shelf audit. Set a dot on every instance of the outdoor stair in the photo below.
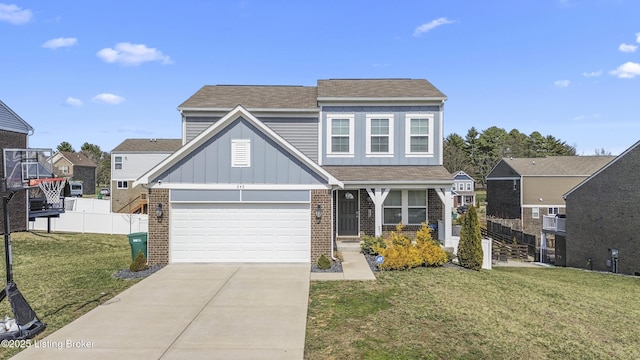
(348, 243)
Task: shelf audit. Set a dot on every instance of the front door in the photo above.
(348, 212)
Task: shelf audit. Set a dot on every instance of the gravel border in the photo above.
(336, 267)
(128, 274)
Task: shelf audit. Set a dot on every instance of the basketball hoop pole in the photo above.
(7, 240)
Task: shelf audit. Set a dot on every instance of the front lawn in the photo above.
(449, 313)
(63, 276)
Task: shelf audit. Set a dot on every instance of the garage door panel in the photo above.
(240, 232)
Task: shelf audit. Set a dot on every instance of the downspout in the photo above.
(333, 238)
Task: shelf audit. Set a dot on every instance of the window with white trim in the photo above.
(554, 211)
(240, 153)
(379, 134)
(469, 186)
(340, 135)
(535, 212)
(406, 206)
(123, 184)
(118, 163)
(64, 169)
(418, 135)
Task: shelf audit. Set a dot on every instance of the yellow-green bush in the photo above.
(400, 253)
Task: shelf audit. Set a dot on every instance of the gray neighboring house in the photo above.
(76, 166)
(278, 173)
(603, 217)
(14, 133)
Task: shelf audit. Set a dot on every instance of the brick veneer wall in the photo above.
(367, 223)
(18, 204)
(321, 239)
(158, 237)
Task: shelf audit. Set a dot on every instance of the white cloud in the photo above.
(71, 101)
(627, 48)
(628, 70)
(60, 42)
(561, 83)
(14, 14)
(592, 74)
(132, 54)
(107, 98)
(431, 25)
(638, 37)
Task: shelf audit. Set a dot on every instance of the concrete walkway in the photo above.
(193, 311)
(354, 267)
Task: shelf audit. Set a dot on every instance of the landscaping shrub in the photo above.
(369, 242)
(139, 263)
(470, 245)
(400, 253)
(324, 263)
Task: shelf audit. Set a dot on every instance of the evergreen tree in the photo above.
(470, 245)
(65, 146)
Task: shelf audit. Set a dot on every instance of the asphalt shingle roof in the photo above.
(377, 88)
(78, 158)
(253, 97)
(558, 165)
(149, 145)
(389, 173)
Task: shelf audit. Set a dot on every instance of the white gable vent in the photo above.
(240, 153)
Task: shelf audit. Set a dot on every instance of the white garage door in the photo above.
(240, 232)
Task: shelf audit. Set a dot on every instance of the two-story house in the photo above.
(463, 189)
(522, 191)
(76, 166)
(602, 229)
(278, 173)
(129, 160)
(14, 134)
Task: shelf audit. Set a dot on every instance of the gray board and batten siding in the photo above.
(224, 196)
(399, 113)
(211, 162)
(302, 133)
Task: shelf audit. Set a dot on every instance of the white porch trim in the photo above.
(378, 195)
(447, 200)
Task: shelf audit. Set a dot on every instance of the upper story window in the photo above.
(64, 169)
(419, 137)
(123, 185)
(118, 163)
(379, 135)
(340, 135)
(469, 186)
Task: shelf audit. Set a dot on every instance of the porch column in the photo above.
(378, 195)
(447, 199)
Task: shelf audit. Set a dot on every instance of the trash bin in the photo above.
(138, 241)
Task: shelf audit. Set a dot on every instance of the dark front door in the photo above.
(348, 212)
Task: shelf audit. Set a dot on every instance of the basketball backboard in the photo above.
(22, 165)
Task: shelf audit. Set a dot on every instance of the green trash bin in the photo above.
(138, 241)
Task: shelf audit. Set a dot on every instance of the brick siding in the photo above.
(321, 239)
(158, 237)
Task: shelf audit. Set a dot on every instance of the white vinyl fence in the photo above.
(92, 216)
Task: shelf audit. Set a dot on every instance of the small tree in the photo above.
(470, 246)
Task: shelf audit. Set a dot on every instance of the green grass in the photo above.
(63, 276)
(448, 313)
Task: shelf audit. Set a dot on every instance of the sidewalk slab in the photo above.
(354, 267)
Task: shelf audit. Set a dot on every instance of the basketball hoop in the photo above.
(51, 187)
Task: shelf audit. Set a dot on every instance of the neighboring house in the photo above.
(522, 191)
(14, 134)
(129, 160)
(278, 173)
(78, 167)
(603, 221)
(463, 189)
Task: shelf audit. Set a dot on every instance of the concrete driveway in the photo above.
(193, 311)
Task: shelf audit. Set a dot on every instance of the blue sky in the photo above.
(102, 72)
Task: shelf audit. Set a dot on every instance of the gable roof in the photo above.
(401, 89)
(391, 174)
(461, 175)
(148, 145)
(77, 158)
(221, 124)
(603, 168)
(252, 97)
(554, 165)
(10, 121)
